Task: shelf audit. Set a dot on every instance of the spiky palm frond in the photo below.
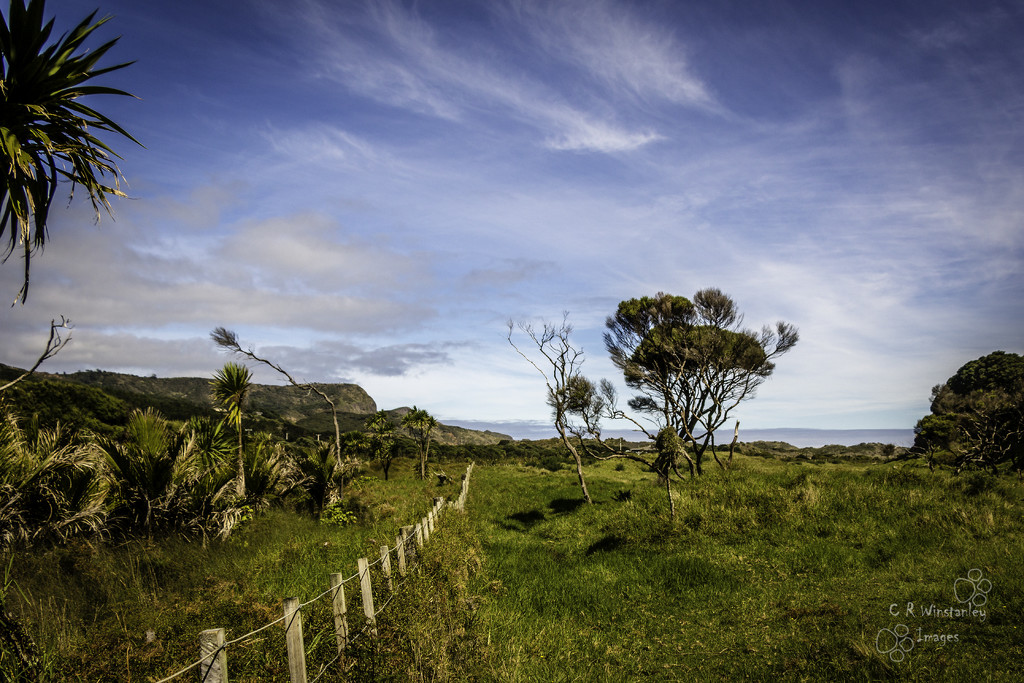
(421, 424)
(141, 465)
(51, 484)
(171, 480)
(231, 386)
(316, 474)
(264, 469)
(47, 134)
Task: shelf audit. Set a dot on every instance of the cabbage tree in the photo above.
(49, 135)
(421, 424)
(231, 385)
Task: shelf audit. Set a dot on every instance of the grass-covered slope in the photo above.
(773, 571)
(288, 402)
(133, 611)
(101, 401)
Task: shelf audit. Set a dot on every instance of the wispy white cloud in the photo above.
(635, 57)
(324, 145)
(409, 65)
(291, 271)
(582, 135)
(344, 361)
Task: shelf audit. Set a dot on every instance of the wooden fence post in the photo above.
(340, 614)
(419, 537)
(214, 669)
(367, 590)
(293, 634)
(408, 551)
(400, 551)
(430, 521)
(425, 525)
(385, 566)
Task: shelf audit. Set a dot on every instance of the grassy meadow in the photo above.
(772, 570)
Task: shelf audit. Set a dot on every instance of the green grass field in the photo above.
(773, 570)
(770, 571)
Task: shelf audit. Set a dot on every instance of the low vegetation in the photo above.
(789, 570)
(132, 610)
(771, 571)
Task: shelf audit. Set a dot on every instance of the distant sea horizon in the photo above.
(795, 436)
(815, 438)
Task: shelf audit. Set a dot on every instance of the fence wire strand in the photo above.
(402, 543)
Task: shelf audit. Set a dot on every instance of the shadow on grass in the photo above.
(606, 544)
(562, 505)
(524, 521)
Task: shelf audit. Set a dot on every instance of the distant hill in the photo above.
(102, 400)
(288, 402)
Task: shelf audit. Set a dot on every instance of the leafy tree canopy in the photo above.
(692, 362)
(998, 370)
(977, 416)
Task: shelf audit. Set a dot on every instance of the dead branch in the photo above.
(54, 344)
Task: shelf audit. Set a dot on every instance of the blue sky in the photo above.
(367, 191)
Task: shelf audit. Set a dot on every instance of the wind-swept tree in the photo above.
(421, 424)
(692, 363)
(231, 385)
(382, 439)
(49, 135)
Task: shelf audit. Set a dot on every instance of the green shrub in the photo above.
(338, 515)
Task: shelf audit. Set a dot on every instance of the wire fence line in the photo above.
(212, 663)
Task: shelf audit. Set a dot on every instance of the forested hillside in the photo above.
(101, 401)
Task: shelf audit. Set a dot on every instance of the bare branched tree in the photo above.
(56, 341)
(567, 388)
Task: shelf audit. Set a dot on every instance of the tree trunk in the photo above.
(714, 454)
(698, 457)
(732, 444)
(579, 465)
(668, 491)
(579, 473)
(240, 480)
